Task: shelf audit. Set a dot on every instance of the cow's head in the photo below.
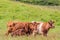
(10, 27)
(51, 22)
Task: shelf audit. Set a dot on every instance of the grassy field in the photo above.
(17, 11)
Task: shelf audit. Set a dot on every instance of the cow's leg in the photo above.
(12, 34)
(34, 32)
(9, 31)
(45, 33)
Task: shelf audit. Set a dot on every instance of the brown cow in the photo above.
(44, 27)
(27, 26)
(13, 26)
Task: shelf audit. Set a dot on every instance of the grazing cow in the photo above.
(44, 27)
(13, 26)
(18, 32)
(29, 27)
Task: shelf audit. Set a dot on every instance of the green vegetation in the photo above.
(42, 2)
(17, 11)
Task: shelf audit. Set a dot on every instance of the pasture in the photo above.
(17, 11)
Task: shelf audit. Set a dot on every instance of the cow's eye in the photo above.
(10, 26)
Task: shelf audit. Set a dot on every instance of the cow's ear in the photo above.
(49, 22)
(53, 21)
(33, 21)
(14, 24)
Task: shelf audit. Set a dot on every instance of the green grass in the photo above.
(17, 11)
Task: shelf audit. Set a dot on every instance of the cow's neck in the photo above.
(46, 27)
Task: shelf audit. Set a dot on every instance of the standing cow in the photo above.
(29, 27)
(44, 27)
